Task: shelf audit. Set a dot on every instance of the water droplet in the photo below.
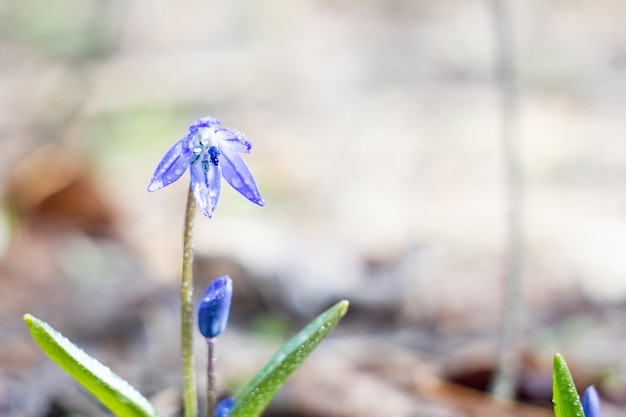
(156, 185)
(236, 182)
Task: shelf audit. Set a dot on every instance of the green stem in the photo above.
(186, 302)
(211, 383)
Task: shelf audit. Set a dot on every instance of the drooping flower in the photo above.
(215, 307)
(591, 403)
(224, 407)
(211, 152)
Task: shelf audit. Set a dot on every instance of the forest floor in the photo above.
(376, 147)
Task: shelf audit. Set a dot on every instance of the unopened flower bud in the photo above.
(591, 403)
(215, 307)
(224, 407)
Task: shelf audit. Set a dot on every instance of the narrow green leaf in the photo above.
(113, 391)
(565, 397)
(260, 391)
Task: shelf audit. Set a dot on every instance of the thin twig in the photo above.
(504, 383)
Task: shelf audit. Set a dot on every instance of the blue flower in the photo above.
(215, 307)
(591, 403)
(224, 407)
(211, 152)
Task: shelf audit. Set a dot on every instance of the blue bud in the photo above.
(224, 407)
(591, 403)
(215, 307)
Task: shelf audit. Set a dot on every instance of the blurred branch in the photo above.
(506, 375)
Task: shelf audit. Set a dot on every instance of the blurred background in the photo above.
(376, 147)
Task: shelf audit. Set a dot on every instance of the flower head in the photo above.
(211, 152)
(215, 307)
(224, 407)
(591, 403)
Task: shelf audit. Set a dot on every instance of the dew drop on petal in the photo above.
(236, 182)
(155, 185)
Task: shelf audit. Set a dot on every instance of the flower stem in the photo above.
(186, 302)
(211, 394)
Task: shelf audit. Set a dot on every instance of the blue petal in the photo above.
(207, 121)
(591, 403)
(172, 166)
(206, 186)
(233, 140)
(236, 172)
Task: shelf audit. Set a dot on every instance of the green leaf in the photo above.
(260, 391)
(565, 397)
(113, 391)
